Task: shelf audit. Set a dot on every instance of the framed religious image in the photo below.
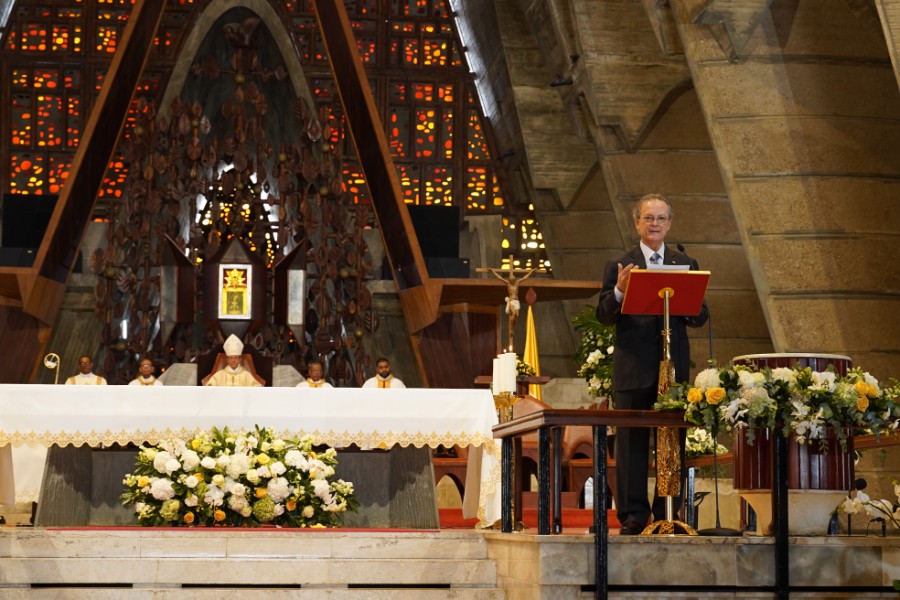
(234, 291)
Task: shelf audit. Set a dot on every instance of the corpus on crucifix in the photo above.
(512, 277)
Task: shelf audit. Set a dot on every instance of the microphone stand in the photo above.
(718, 530)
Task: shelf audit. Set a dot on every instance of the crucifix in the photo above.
(509, 277)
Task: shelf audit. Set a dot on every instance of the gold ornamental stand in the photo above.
(680, 293)
(504, 402)
(668, 448)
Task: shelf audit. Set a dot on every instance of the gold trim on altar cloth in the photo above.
(234, 291)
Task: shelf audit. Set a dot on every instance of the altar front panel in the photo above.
(46, 415)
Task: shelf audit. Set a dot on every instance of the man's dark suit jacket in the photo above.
(638, 349)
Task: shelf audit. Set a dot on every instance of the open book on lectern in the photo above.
(646, 291)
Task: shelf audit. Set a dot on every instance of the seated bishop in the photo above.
(316, 377)
(234, 373)
(86, 375)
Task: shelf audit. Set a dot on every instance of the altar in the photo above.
(370, 428)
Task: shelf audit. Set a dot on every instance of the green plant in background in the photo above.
(595, 353)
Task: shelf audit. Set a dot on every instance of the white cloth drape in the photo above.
(43, 415)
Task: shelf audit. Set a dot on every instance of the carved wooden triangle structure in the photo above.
(454, 323)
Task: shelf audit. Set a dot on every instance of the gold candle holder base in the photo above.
(504, 402)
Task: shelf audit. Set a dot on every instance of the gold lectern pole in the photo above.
(668, 448)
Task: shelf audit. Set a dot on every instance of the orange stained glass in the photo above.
(498, 193)
(397, 91)
(403, 27)
(57, 172)
(48, 124)
(423, 92)
(114, 180)
(336, 128)
(59, 39)
(435, 52)
(410, 52)
(33, 38)
(409, 182)
(424, 136)
(354, 183)
(437, 188)
(27, 173)
(48, 79)
(476, 188)
(20, 122)
(20, 79)
(446, 93)
(106, 39)
(73, 122)
(447, 143)
(398, 131)
(475, 140)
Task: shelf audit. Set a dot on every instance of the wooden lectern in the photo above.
(666, 293)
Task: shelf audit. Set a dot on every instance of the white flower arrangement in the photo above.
(237, 479)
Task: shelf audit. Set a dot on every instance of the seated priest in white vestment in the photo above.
(383, 377)
(234, 373)
(86, 376)
(145, 374)
(316, 377)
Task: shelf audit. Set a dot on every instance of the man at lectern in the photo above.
(638, 352)
(86, 374)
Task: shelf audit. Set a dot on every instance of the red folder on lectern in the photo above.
(645, 294)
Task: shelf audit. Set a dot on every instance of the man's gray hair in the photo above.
(636, 211)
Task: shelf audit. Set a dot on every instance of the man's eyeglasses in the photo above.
(650, 220)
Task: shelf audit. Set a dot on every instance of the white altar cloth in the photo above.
(43, 415)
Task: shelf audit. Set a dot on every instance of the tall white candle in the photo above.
(495, 379)
(508, 367)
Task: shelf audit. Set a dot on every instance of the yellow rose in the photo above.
(195, 443)
(189, 518)
(143, 481)
(872, 391)
(260, 492)
(862, 388)
(219, 515)
(263, 459)
(862, 404)
(308, 511)
(715, 395)
(694, 395)
(290, 505)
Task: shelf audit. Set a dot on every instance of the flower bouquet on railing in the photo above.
(595, 353)
(239, 479)
(807, 402)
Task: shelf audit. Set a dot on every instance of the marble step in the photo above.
(88, 593)
(293, 563)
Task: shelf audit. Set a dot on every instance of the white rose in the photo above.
(218, 480)
(208, 462)
(190, 460)
(191, 481)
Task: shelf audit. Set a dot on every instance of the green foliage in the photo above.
(595, 353)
